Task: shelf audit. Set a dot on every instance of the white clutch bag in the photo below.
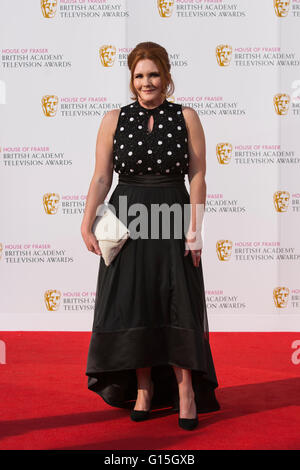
(110, 232)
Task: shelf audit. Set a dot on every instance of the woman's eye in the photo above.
(154, 73)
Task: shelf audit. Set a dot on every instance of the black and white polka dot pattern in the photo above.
(164, 150)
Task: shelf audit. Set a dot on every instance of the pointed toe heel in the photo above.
(187, 423)
(139, 415)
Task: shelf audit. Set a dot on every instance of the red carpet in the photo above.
(45, 403)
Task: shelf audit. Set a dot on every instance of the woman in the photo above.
(149, 345)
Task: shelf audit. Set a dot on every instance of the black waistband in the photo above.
(152, 180)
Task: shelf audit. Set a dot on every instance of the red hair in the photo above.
(159, 55)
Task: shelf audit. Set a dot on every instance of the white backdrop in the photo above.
(230, 60)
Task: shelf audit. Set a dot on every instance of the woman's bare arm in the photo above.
(102, 177)
(197, 163)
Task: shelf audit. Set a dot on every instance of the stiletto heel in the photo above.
(141, 415)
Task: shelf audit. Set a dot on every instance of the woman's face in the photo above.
(147, 81)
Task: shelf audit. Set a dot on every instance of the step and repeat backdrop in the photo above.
(64, 65)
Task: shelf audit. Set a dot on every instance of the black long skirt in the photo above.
(150, 308)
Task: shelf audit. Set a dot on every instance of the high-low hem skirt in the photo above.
(150, 309)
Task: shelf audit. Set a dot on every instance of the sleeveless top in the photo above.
(162, 151)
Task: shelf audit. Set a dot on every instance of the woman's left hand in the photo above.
(193, 244)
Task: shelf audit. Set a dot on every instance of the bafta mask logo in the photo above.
(52, 299)
(224, 151)
(50, 201)
(281, 296)
(48, 8)
(107, 55)
(165, 8)
(49, 105)
(224, 248)
(1, 250)
(223, 54)
(281, 7)
(281, 103)
(281, 201)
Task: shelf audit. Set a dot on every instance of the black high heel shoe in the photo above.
(188, 423)
(141, 415)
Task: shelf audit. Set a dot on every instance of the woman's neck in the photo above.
(151, 105)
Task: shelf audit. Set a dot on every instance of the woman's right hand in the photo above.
(91, 242)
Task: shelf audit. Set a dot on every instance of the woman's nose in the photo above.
(147, 81)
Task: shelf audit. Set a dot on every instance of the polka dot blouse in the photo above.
(139, 151)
